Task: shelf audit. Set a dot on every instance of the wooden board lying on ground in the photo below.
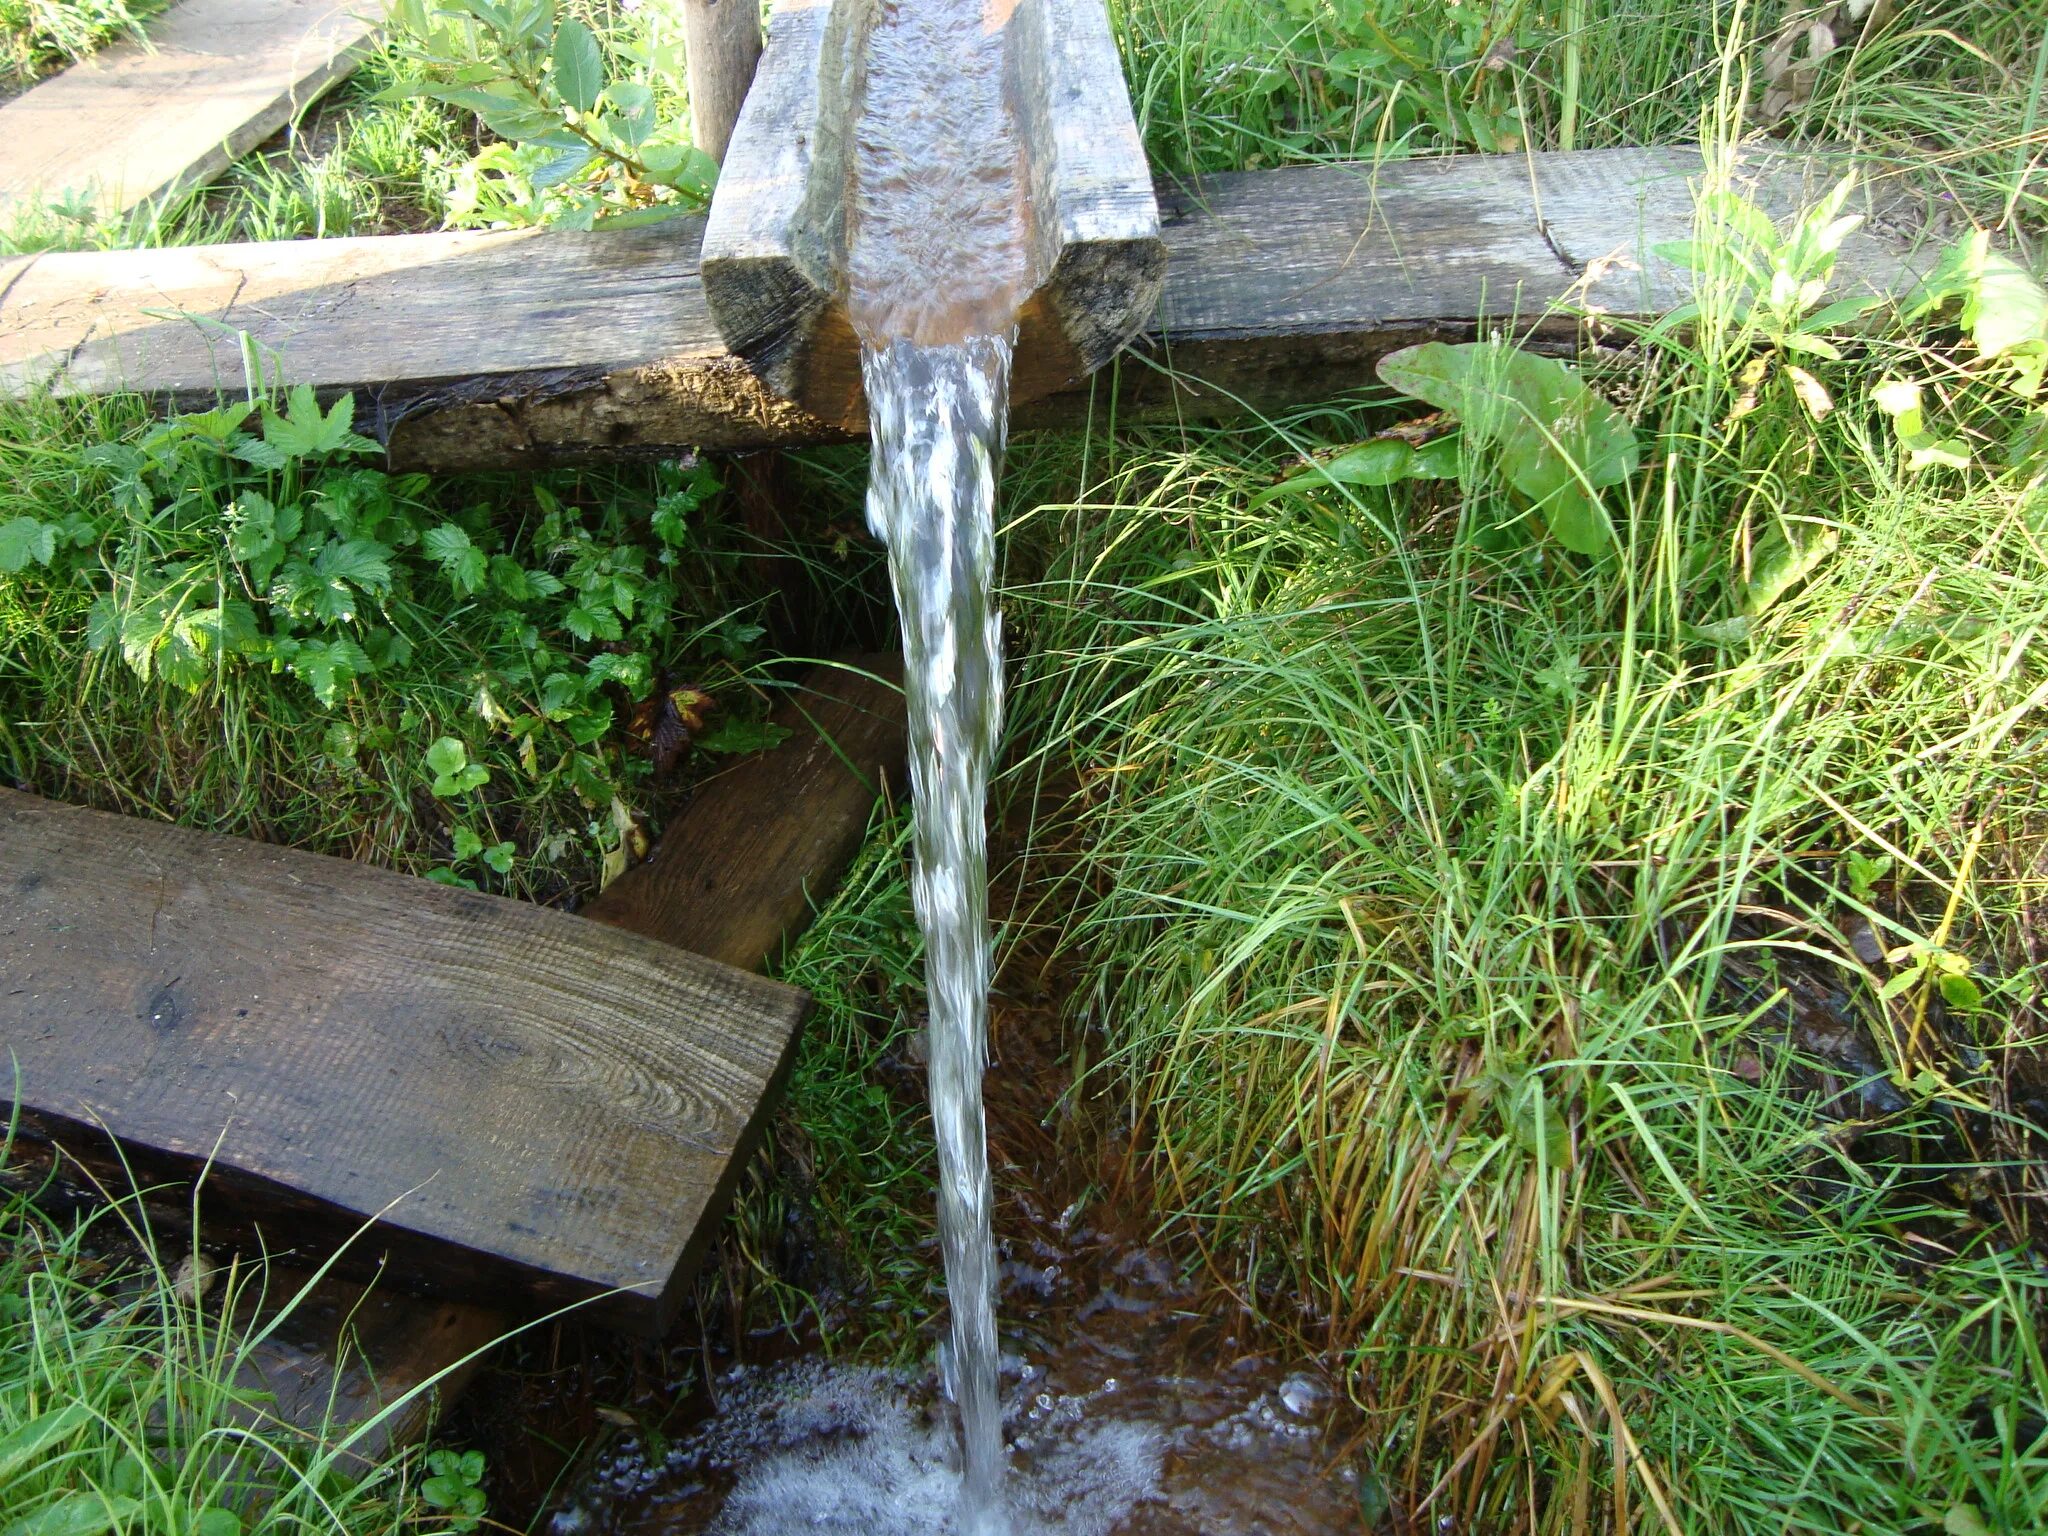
(740, 870)
(214, 79)
(523, 347)
(531, 1104)
(736, 875)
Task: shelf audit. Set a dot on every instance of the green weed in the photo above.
(128, 1401)
(228, 619)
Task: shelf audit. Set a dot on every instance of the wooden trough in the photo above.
(774, 259)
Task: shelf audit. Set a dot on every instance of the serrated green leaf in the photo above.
(562, 165)
(26, 541)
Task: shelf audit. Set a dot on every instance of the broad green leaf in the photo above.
(447, 755)
(76, 1514)
(1960, 992)
(536, 126)
(467, 844)
(682, 166)
(2009, 307)
(36, 1440)
(579, 65)
(1781, 564)
(26, 541)
(632, 111)
(1557, 442)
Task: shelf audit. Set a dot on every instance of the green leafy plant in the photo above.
(483, 643)
(1556, 443)
(586, 133)
(454, 1485)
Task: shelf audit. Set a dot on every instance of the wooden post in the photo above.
(722, 43)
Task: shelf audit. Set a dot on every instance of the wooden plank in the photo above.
(531, 1104)
(735, 876)
(739, 871)
(212, 80)
(721, 46)
(774, 251)
(527, 347)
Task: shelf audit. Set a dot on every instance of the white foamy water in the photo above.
(851, 1450)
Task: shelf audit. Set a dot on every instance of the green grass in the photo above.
(120, 1405)
(1434, 887)
(39, 36)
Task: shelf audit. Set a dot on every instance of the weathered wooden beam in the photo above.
(774, 251)
(721, 46)
(530, 1104)
(737, 873)
(211, 81)
(530, 347)
(741, 869)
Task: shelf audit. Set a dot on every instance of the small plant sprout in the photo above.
(454, 1486)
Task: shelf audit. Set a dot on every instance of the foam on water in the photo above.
(853, 1450)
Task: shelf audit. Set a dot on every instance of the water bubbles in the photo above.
(1301, 1395)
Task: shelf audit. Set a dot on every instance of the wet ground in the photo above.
(1133, 1404)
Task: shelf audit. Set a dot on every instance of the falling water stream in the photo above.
(1109, 1429)
(937, 269)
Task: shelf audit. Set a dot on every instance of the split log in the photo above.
(530, 347)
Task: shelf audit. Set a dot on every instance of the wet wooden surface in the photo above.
(526, 347)
(213, 79)
(531, 1105)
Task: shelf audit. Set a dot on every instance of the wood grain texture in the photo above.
(537, 1105)
(760, 843)
(774, 248)
(214, 79)
(1282, 287)
(722, 44)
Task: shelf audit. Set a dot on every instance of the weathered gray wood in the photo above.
(722, 44)
(526, 347)
(549, 1108)
(774, 247)
(212, 80)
